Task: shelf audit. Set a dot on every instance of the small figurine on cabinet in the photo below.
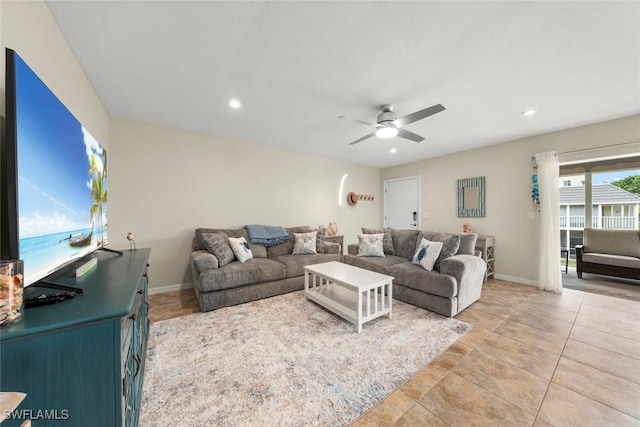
(132, 241)
(466, 227)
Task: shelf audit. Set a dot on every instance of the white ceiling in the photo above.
(296, 66)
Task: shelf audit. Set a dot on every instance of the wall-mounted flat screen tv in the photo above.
(55, 178)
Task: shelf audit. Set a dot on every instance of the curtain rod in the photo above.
(585, 150)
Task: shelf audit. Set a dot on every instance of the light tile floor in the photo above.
(533, 358)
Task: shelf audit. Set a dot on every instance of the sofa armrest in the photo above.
(331, 248)
(468, 271)
(203, 261)
(352, 249)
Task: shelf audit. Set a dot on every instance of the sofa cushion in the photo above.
(320, 240)
(286, 248)
(370, 245)
(377, 264)
(199, 244)
(415, 277)
(614, 260)
(304, 243)
(218, 245)
(258, 251)
(614, 242)
(387, 240)
(467, 243)
(234, 274)
(450, 245)
(295, 263)
(427, 254)
(431, 235)
(467, 240)
(405, 242)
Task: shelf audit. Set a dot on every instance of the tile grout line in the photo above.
(558, 362)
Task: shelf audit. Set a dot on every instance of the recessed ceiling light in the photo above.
(234, 103)
(393, 150)
(528, 112)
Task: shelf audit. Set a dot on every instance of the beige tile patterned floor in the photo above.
(533, 358)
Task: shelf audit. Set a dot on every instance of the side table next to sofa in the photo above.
(484, 244)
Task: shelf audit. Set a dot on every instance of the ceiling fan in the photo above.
(389, 125)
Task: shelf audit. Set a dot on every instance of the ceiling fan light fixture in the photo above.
(387, 132)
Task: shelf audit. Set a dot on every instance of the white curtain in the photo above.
(549, 273)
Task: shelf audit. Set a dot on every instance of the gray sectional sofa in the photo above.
(457, 285)
(275, 270)
(610, 253)
(272, 271)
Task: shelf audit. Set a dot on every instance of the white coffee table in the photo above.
(355, 294)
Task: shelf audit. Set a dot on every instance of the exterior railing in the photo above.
(606, 222)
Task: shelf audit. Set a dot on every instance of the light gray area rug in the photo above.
(283, 361)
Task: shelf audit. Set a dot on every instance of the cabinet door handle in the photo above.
(138, 362)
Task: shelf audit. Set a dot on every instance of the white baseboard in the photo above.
(170, 288)
(520, 280)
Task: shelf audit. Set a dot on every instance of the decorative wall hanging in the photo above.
(471, 197)
(352, 198)
(535, 191)
(365, 197)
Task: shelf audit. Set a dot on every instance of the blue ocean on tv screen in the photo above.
(62, 181)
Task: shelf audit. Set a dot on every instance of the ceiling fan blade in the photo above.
(403, 133)
(419, 115)
(372, 134)
(359, 121)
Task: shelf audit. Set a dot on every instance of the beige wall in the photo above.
(507, 168)
(28, 28)
(164, 183)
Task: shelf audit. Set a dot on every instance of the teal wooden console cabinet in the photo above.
(81, 362)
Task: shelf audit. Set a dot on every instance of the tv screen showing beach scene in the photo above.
(61, 180)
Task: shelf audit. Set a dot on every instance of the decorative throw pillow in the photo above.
(240, 248)
(387, 241)
(320, 240)
(218, 245)
(427, 254)
(450, 245)
(467, 243)
(370, 245)
(305, 243)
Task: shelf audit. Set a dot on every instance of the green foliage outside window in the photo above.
(630, 184)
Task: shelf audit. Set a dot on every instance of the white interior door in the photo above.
(402, 203)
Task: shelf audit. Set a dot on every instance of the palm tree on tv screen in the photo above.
(98, 192)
